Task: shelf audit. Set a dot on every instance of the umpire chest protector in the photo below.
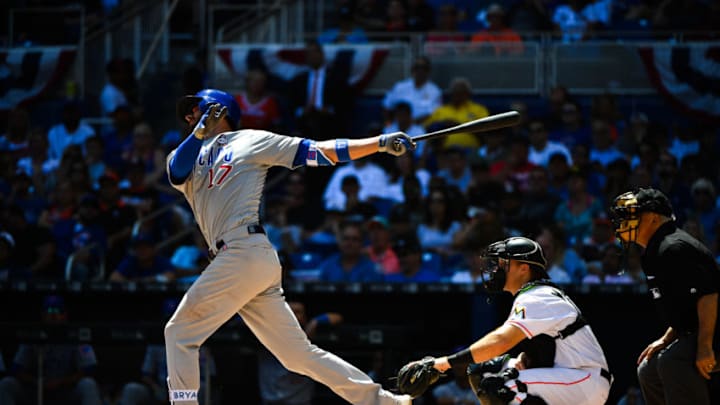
(540, 350)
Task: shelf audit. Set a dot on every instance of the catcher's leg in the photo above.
(560, 386)
(494, 400)
(273, 322)
(230, 281)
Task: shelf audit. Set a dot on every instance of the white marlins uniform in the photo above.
(224, 191)
(576, 376)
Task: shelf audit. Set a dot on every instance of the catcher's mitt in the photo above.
(414, 378)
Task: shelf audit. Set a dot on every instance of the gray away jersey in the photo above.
(228, 177)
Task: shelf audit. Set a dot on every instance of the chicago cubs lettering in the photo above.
(210, 155)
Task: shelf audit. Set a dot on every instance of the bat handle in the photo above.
(397, 145)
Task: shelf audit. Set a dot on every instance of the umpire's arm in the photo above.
(707, 317)
(495, 343)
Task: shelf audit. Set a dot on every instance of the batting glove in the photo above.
(209, 120)
(396, 143)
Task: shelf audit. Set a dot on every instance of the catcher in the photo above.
(561, 361)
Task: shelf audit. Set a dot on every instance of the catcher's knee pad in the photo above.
(477, 371)
(490, 387)
(491, 400)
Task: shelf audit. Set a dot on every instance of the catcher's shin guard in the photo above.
(490, 386)
(533, 400)
(476, 372)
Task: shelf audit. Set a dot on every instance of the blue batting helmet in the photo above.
(204, 98)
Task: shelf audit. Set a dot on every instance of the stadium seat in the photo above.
(306, 260)
(432, 261)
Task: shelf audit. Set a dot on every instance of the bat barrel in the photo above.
(490, 123)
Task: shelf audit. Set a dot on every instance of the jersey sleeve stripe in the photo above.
(301, 153)
(522, 327)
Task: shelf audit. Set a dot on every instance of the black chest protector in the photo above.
(540, 350)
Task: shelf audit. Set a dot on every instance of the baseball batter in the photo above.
(221, 171)
(562, 362)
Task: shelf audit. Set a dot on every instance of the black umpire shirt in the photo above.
(679, 271)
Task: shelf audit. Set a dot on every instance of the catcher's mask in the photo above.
(497, 256)
(204, 99)
(628, 206)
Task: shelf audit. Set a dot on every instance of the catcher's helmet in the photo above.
(520, 249)
(204, 98)
(516, 248)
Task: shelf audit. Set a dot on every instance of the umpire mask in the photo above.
(626, 218)
(628, 206)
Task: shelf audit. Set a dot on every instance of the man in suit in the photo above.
(321, 96)
(321, 99)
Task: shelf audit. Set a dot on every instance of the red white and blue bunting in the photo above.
(688, 75)
(284, 62)
(28, 73)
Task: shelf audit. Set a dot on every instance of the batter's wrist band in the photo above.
(342, 150)
(461, 358)
(382, 143)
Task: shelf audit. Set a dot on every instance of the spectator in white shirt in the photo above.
(437, 231)
(685, 143)
(541, 148)
(402, 122)
(599, 12)
(37, 164)
(603, 149)
(609, 270)
(68, 132)
(558, 274)
(457, 171)
(472, 273)
(113, 93)
(405, 167)
(372, 178)
(571, 21)
(423, 95)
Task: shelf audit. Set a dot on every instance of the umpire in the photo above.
(684, 281)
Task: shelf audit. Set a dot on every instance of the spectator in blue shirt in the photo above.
(345, 32)
(412, 270)
(82, 236)
(572, 130)
(351, 264)
(144, 264)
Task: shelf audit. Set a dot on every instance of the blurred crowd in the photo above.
(92, 202)
(484, 21)
(509, 21)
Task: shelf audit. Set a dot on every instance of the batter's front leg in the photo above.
(274, 324)
(213, 299)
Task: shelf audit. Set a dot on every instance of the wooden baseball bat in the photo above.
(490, 123)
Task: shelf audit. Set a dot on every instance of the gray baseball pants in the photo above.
(670, 377)
(245, 278)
